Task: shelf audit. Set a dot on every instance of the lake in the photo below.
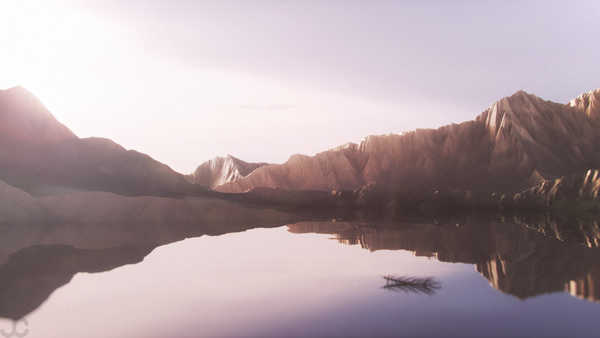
(323, 279)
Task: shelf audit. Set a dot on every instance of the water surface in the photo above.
(312, 279)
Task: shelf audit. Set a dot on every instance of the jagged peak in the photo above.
(349, 145)
(523, 92)
(594, 93)
(221, 170)
(588, 102)
(521, 101)
(234, 159)
(513, 108)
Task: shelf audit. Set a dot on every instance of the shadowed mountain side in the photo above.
(39, 154)
(515, 260)
(515, 143)
(90, 164)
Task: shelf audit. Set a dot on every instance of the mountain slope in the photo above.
(25, 120)
(222, 170)
(579, 190)
(39, 154)
(515, 143)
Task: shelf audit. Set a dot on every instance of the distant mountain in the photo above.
(517, 142)
(222, 170)
(39, 154)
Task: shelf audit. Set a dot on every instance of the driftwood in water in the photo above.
(427, 285)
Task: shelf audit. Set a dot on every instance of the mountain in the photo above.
(517, 142)
(589, 103)
(222, 170)
(577, 190)
(41, 155)
(520, 141)
(26, 121)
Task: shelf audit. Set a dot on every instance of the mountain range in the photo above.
(519, 142)
(516, 144)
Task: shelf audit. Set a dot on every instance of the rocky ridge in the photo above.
(589, 103)
(517, 142)
(222, 170)
(566, 189)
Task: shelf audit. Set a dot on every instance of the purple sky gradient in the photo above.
(297, 76)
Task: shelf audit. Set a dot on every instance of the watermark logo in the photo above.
(17, 329)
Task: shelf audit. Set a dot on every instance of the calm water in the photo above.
(313, 279)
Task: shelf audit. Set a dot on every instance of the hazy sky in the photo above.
(185, 81)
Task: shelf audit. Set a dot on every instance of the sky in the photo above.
(185, 81)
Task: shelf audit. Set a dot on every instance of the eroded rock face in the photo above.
(530, 133)
(222, 170)
(589, 103)
(573, 188)
(515, 143)
(39, 153)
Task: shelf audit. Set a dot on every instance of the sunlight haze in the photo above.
(185, 81)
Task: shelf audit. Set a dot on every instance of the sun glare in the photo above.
(101, 77)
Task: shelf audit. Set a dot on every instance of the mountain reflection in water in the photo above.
(519, 257)
(523, 257)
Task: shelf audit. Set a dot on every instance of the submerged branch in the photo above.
(427, 285)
